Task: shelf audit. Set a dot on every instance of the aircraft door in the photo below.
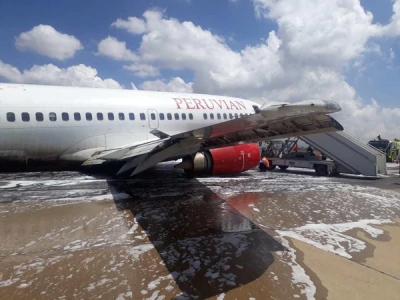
(153, 118)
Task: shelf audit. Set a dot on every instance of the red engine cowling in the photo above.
(221, 161)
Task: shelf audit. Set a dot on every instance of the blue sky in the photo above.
(89, 21)
(236, 22)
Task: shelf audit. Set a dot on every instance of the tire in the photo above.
(334, 174)
(321, 170)
(283, 168)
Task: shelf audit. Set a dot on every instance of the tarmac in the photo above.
(162, 235)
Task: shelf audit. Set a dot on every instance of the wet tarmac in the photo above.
(275, 235)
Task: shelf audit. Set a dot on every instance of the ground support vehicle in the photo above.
(304, 160)
(390, 148)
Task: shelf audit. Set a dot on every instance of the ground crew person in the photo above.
(264, 164)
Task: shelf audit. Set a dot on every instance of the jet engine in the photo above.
(221, 161)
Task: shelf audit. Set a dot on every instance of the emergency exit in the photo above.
(153, 118)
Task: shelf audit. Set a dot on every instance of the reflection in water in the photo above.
(243, 202)
(208, 246)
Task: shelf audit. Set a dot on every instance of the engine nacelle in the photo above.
(222, 161)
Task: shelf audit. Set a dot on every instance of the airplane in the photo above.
(212, 134)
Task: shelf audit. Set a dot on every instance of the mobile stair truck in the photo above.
(346, 155)
(280, 154)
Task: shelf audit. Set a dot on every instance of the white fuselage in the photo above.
(69, 123)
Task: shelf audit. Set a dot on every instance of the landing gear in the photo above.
(283, 168)
(321, 170)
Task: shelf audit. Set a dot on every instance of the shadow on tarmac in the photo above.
(208, 246)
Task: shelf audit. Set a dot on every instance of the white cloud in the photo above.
(393, 28)
(392, 55)
(176, 84)
(79, 75)
(302, 60)
(143, 70)
(132, 25)
(320, 33)
(115, 49)
(47, 41)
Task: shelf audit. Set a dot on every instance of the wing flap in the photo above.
(129, 150)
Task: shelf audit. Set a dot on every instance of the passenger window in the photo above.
(176, 116)
(25, 117)
(191, 116)
(225, 116)
(153, 116)
(77, 116)
(39, 117)
(65, 116)
(205, 116)
(10, 117)
(131, 116)
(183, 116)
(142, 116)
(100, 116)
(52, 117)
(121, 116)
(236, 116)
(89, 116)
(230, 116)
(169, 116)
(219, 116)
(111, 116)
(212, 116)
(161, 116)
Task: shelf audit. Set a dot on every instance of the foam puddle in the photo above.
(299, 275)
(328, 237)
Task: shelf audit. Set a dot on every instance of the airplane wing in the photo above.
(270, 122)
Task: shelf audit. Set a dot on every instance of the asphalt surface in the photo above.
(162, 235)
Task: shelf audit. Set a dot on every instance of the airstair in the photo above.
(276, 148)
(351, 155)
